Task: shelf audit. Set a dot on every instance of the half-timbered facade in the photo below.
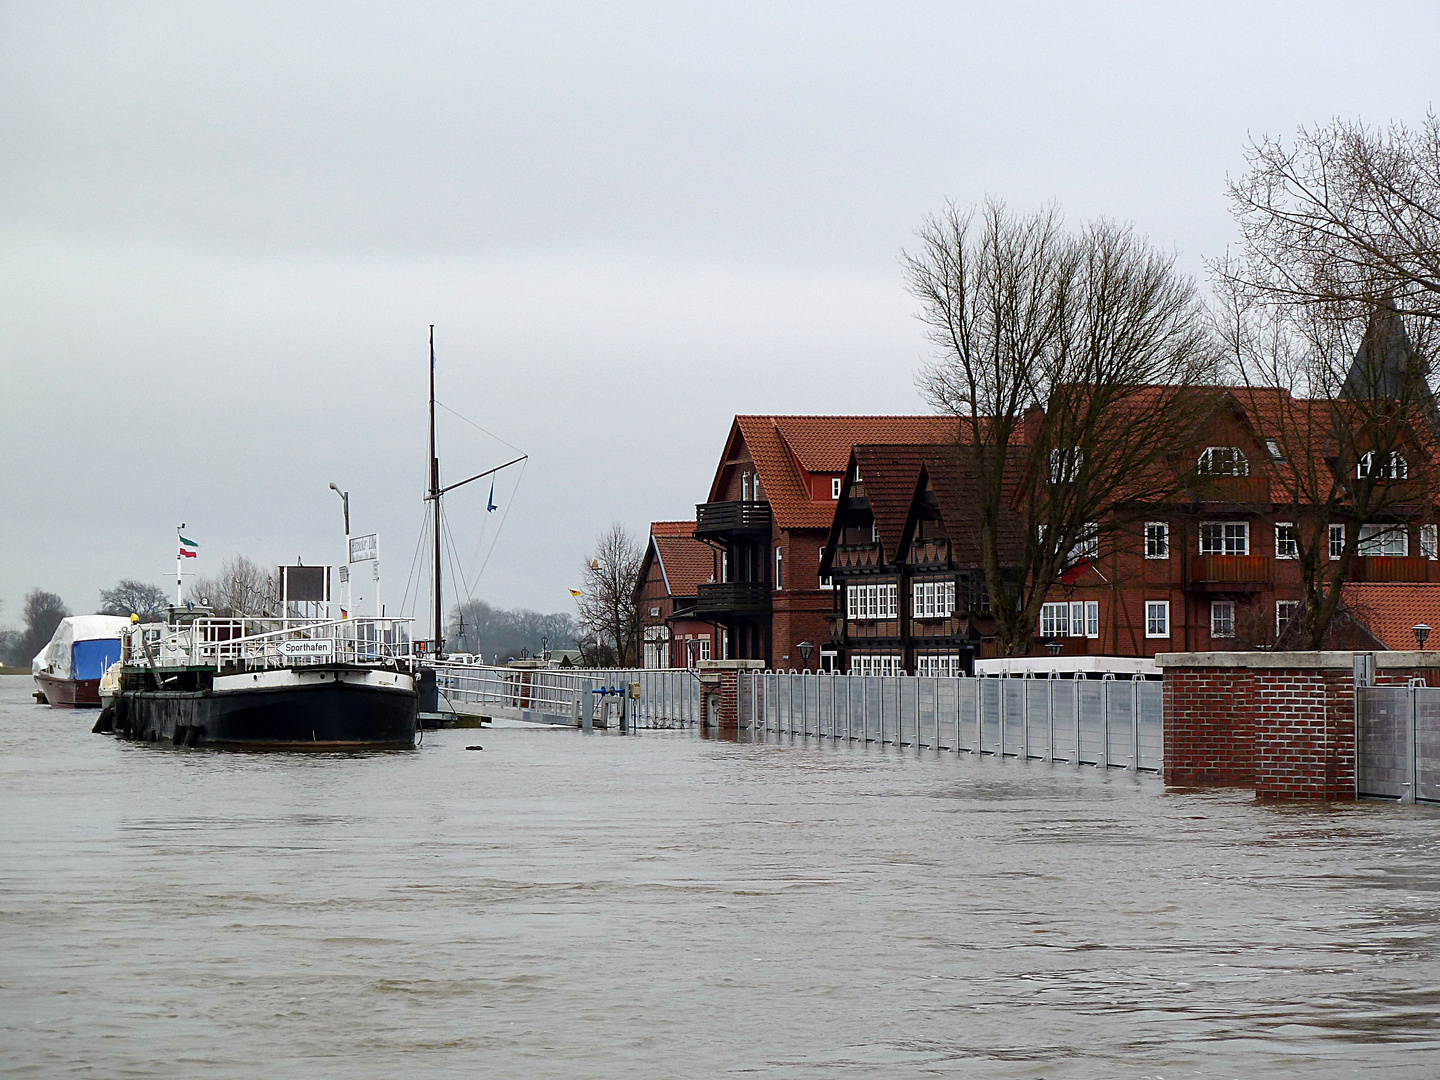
(674, 566)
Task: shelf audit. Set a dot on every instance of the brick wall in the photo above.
(1283, 723)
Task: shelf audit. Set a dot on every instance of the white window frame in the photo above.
(1286, 546)
(1157, 540)
(942, 665)
(1157, 618)
(1055, 620)
(1065, 464)
(826, 581)
(1226, 537)
(1290, 608)
(1430, 541)
(1385, 540)
(1396, 468)
(779, 569)
(835, 487)
(1222, 618)
(1273, 447)
(1092, 618)
(1335, 537)
(1223, 461)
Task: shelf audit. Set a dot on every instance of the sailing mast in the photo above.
(435, 497)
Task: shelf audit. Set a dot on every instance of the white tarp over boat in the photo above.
(57, 658)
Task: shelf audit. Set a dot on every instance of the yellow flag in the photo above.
(575, 593)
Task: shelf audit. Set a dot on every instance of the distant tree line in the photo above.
(500, 634)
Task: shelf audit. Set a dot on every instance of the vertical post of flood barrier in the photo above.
(1135, 681)
(1075, 746)
(1003, 695)
(1411, 731)
(1025, 717)
(1050, 708)
(979, 719)
(1104, 757)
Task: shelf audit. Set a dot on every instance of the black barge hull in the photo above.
(327, 716)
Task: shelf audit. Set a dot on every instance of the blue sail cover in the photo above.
(89, 659)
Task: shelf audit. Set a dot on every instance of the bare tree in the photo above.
(1072, 362)
(1346, 215)
(131, 597)
(1343, 402)
(607, 612)
(241, 588)
(42, 614)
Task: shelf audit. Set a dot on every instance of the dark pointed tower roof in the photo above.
(1386, 364)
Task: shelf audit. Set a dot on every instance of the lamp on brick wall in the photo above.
(805, 647)
(1421, 632)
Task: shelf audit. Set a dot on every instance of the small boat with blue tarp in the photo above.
(67, 671)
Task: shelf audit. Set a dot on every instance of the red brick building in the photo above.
(673, 568)
(1215, 569)
(766, 519)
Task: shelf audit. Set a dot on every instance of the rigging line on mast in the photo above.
(501, 527)
(476, 426)
(454, 560)
(419, 543)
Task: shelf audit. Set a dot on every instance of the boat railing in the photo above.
(268, 643)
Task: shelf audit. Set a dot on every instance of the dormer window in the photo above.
(835, 487)
(1373, 466)
(1273, 446)
(1065, 465)
(1222, 461)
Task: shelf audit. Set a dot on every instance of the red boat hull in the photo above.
(69, 693)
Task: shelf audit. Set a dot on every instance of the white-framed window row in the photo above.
(878, 601)
(1287, 540)
(1336, 538)
(1223, 461)
(876, 664)
(835, 483)
(826, 581)
(1285, 611)
(1224, 538)
(938, 664)
(1222, 618)
(1157, 618)
(1075, 618)
(932, 599)
(1157, 540)
(1384, 540)
(1371, 466)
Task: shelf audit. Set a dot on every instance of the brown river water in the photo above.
(662, 905)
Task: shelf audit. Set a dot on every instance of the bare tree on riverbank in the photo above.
(1345, 215)
(42, 614)
(606, 609)
(131, 597)
(1071, 360)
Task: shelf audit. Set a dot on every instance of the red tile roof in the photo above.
(1389, 609)
(786, 448)
(685, 562)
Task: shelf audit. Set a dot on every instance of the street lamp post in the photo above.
(345, 500)
(805, 648)
(1421, 632)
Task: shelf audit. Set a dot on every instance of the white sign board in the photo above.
(319, 649)
(364, 547)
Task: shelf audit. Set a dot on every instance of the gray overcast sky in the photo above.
(224, 230)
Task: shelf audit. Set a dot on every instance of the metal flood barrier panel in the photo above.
(1397, 742)
(669, 697)
(1109, 722)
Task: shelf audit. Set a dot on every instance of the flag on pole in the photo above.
(575, 593)
(189, 549)
(491, 506)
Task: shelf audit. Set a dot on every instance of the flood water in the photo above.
(562, 905)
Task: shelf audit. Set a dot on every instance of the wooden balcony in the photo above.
(935, 552)
(856, 556)
(721, 518)
(1230, 573)
(936, 628)
(720, 598)
(1390, 568)
(1243, 490)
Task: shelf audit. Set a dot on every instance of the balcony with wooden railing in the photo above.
(1372, 568)
(719, 598)
(856, 556)
(1230, 573)
(1244, 490)
(718, 518)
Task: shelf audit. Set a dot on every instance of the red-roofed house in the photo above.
(766, 520)
(671, 573)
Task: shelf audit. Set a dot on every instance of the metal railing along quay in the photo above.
(1103, 722)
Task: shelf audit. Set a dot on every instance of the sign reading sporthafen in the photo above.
(320, 648)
